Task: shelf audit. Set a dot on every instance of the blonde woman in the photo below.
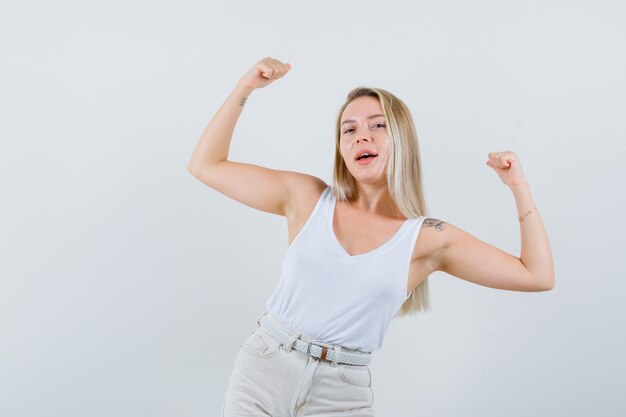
(360, 252)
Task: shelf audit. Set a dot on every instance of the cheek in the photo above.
(345, 152)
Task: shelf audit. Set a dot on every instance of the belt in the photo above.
(334, 355)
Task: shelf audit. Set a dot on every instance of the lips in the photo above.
(365, 150)
(365, 161)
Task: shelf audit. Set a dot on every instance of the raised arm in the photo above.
(262, 188)
(469, 258)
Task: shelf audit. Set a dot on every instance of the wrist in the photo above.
(520, 187)
(243, 89)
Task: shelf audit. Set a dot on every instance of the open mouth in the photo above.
(365, 159)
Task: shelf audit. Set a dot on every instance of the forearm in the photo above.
(214, 143)
(536, 253)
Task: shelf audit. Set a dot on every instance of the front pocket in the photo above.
(355, 374)
(261, 344)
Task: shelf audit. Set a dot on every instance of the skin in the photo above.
(374, 206)
(371, 133)
(441, 246)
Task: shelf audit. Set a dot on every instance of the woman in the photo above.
(359, 252)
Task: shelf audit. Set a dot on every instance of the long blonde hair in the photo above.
(404, 174)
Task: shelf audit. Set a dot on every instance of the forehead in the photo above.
(362, 107)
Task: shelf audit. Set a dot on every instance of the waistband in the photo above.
(313, 347)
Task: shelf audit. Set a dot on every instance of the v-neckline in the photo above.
(340, 248)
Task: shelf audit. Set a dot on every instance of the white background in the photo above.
(127, 286)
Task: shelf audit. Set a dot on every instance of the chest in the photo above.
(358, 233)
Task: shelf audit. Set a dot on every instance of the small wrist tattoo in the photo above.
(243, 101)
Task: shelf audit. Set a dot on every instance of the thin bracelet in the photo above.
(521, 219)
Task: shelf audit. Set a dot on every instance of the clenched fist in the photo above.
(264, 73)
(507, 166)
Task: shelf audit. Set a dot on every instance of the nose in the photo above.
(361, 135)
(362, 140)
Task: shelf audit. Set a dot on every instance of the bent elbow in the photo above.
(547, 285)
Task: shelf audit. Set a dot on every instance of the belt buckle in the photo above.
(308, 348)
(324, 350)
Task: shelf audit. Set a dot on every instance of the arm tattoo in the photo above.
(436, 223)
(243, 101)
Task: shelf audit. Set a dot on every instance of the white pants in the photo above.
(268, 380)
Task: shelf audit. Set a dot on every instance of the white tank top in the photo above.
(328, 295)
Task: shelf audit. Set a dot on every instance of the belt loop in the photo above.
(258, 319)
(287, 347)
(336, 353)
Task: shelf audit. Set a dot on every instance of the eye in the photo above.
(380, 124)
(347, 130)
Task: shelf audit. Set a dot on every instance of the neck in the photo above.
(375, 200)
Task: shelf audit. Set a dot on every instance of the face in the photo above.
(363, 126)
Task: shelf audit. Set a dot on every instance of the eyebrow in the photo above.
(369, 117)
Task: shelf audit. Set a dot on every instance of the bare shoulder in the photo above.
(439, 237)
(431, 240)
(304, 192)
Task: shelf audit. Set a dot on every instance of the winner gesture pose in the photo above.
(360, 252)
